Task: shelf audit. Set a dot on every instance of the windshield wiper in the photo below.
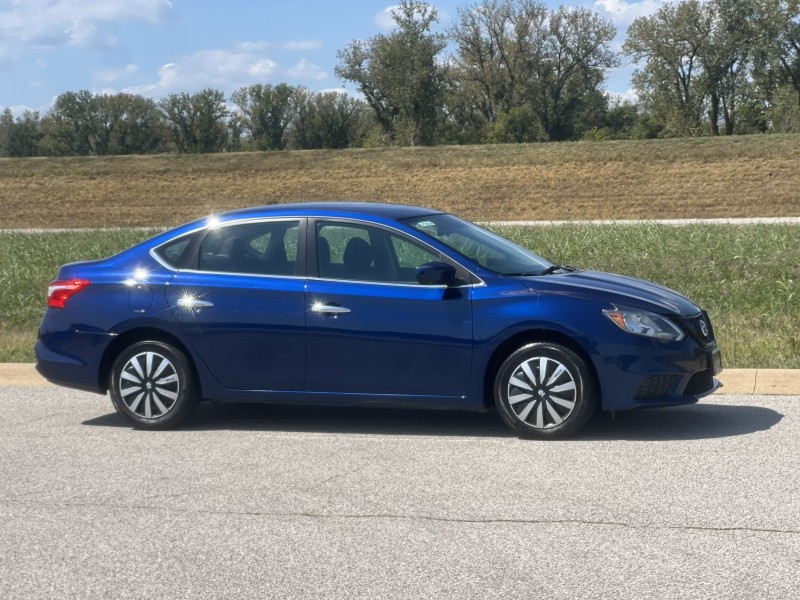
(554, 268)
(547, 271)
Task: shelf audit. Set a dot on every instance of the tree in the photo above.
(67, 125)
(141, 128)
(264, 112)
(196, 122)
(777, 60)
(399, 75)
(327, 120)
(670, 84)
(20, 137)
(517, 53)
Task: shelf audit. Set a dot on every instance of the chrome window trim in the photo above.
(403, 234)
(159, 260)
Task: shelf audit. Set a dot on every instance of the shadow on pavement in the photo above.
(700, 421)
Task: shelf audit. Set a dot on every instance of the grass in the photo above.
(745, 276)
(741, 176)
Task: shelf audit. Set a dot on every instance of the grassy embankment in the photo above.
(747, 277)
(747, 176)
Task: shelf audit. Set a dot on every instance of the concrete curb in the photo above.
(777, 382)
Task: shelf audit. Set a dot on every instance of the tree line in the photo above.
(504, 71)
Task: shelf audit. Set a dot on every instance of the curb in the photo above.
(748, 382)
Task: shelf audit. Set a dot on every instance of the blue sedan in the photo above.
(368, 304)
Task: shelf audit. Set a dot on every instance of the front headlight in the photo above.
(644, 323)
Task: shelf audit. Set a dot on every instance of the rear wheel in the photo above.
(152, 384)
(545, 391)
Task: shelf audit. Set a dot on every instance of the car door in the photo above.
(242, 304)
(371, 328)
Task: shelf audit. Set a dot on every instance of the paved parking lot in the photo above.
(253, 501)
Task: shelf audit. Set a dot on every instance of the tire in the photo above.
(153, 385)
(545, 391)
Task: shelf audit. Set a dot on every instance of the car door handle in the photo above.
(189, 301)
(329, 309)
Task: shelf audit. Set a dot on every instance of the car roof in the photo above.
(341, 209)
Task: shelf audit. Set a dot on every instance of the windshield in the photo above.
(480, 245)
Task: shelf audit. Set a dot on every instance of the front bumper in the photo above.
(665, 375)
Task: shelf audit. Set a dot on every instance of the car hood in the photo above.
(619, 289)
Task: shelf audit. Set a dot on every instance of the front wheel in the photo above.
(545, 391)
(153, 385)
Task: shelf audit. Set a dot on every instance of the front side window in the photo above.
(360, 253)
(264, 248)
(480, 245)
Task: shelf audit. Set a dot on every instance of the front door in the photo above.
(372, 329)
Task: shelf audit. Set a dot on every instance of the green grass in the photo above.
(747, 277)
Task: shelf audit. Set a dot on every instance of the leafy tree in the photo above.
(264, 112)
(140, 129)
(520, 124)
(20, 137)
(67, 126)
(670, 84)
(196, 123)
(327, 120)
(399, 76)
(512, 53)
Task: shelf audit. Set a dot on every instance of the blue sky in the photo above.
(157, 47)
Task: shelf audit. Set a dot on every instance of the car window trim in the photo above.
(312, 266)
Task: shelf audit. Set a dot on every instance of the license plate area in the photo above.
(715, 360)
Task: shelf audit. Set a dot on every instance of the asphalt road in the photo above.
(269, 502)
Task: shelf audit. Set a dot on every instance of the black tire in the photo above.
(153, 385)
(553, 406)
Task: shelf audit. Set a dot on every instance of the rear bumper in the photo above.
(75, 366)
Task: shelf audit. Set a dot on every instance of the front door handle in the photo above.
(329, 309)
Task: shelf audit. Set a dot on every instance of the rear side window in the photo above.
(176, 252)
(264, 248)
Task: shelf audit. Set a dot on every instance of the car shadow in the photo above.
(700, 421)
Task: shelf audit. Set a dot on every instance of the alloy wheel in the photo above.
(149, 385)
(542, 392)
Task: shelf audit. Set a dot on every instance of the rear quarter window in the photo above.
(176, 252)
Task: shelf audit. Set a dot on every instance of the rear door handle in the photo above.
(189, 301)
(329, 309)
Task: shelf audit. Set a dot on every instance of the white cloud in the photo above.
(221, 69)
(384, 19)
(73, 22)
(18, 109)
(252, 46)
(112, 75)
(307, 70)
(623, 13)
(628, 95)
(303, 45)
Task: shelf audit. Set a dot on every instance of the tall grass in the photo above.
(747, 277)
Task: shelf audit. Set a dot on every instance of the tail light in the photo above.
(62, 290)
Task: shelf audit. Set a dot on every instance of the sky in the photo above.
(159, 47)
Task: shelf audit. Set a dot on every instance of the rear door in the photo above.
(242, 304)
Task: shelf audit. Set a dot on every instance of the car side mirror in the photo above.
(436, 273)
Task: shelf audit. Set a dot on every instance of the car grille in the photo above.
(691, 327)
(700, 382)
(655, 386)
